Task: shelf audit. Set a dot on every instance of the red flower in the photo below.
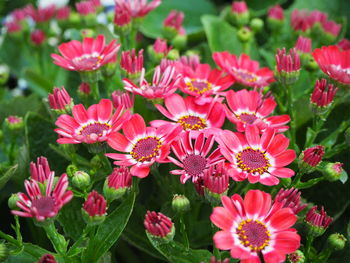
(313, 155)
(85, 8)
(132, 63)
(41, 14)
(253, 226)
(276, 12)
(249, 107)
(174, 20)
(95, 204)
(216, 178)
(89, 55)
(119, 178)
(334, 62)
(40, 171)
(243, 69)
(344, 44)
(290, 198)
(192, 158)
(323, 94)
(317, 221)
(300, 20)
(287, 63)
(189, 114)
(239, 7)
(258, 159)
(63, 13)
(204, 82)
(163, 84)
(158, 224)
(37, 37)
(122, 17)
(13, 27)
(303, 44)
(47, 258)
(60, 99)
(93, 125)
(143, 145)
(137, 8)
(160, 47)
(124, 99)
(43, 206)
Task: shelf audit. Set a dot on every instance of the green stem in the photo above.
(132, 38)
(18, 230)
(297, 178)
(95, 90)
(289, 92)
(309, 241)
(324, 255)
(216, 251)
(184, 233)
(58, 241)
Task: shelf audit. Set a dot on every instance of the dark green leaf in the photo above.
(261, 7)
(37, 82)
(5, 177)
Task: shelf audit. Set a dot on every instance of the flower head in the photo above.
(244, 70)
(193, 157)
(323, 94)
(14, 123)
(312, 156)
(63, 13)
(137, 8)
(257, 158)
(40, 171)
(255, 226)
(249, 107)
(239, 7)
(60, 100)
(89, 55)
(142, 145)
(216, 178)
(287, 65)
(93, 125)
(131, 63)
(124, 99)
(122, 17)
(290, 198)
(85, 8)
(163, 84)
(161, 48)
(174, 22)
(158, 225)
(117, 183)
(317, 221)
(47, 205)
(42, 14)
(334, 62)
(47, 258)
(94, 208)
(189, 114)
(276, 12)
(344, 44)
(303, 45)
(37, 37)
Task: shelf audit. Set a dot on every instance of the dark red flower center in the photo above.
(199, 86)
(44, 205)
(253, 234)
(194, 164)
(96, 128)
(87, 62)
(247, 118)
(190, 122)
(245, 75)
(252, 161)
(146, 148)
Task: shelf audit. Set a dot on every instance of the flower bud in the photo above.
(47, 258)
(172, 25)
(244, 34)
(290, 198)
(288, 66)
(4, 252)
(132, 64)
(179, 42)
(239, 14)
(71, 170)
(12, 202)
(275, 18)
(37, 37)
(81, 180)
(84, 89)
(158, 50)
(336, 241)
(14, 123)
(173, 54)
(256, 24)
(4, 74)
(216, 182)
(117, 183)
(180, 203)
(94, 209)
(122, 20)
(311, 64)
(159, 227)
(296, 257)
(310, 158)
(123, 98)
(317, 222)
(322, 97)
(60, 101)
(333, 171)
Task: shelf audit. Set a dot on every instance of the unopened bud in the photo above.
(12, 202)
(81, 180)
(256, 24)
(296, 257)
(4, 252)
(180, 203)
(336, 241)
(334, 172)
(244, 34)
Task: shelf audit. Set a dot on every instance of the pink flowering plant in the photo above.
(197, 131)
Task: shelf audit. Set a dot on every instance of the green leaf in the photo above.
(221, 36)
(38, 83)
(30, 253)
(261, 7)
(4, 178)
(109, 232)
(177, 253)
(343, 177)
(153, 22)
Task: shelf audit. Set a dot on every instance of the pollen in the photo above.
(145, 149)
(199, 86)
(191, 122)
(252, 161)
(253, 234)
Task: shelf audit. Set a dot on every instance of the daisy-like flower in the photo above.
(92, 125)
(249, 107)
(189, 114)
(334, 62)
(243, 69)
(202, 82)
(137, 8)
(40, 171)
(89, 55)
(193, 158)
(43, 206)
(258, 159)
(252, 228)
(143, 145)
(163, 84)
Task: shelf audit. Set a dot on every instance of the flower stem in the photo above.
(309, 241)
(216, 251)
(289, 92)
(184, 233)
(95, 90)
(297, 178)
(58, 241)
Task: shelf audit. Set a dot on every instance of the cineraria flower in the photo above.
(85, 8)
(124, 99)
(189, 114)
(323, 94)
(253, 228)
(89, 55)
(40, 171)
(47, 258)
(312, 156)
(204, 82)
(276, 12)
(334, 62)
(317, 222)
(303, 45)
(117, 183)
(143, 145)
(300, 20)
(43, 206)
(344, 44)
(159, 225)
(63, 13)
(258, 159)
(174, 21)
(137, 8)
(163, 84)
(60, 100)
(43, 14)
(93, 125)
(37, 37)
(249, 107)
(243, 69)
(290, 198)
(287, 65)
(193, 158)
(160, 48)
(94, 208)
(131, 63)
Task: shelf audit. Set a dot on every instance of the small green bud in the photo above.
(4, 73)
(256, 24)
(333, 171)
(173, 54)
(336, 241)
(71, 170)
(296, 257)
(244, 34)
(169, 32)
(179, 41)
(74, 18)
(311, 64)
(4, 252)
(14, 123)
(275, 24)
(12, 202)
(180, 203)
(81, 180)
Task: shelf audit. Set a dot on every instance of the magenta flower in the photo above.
(60, 99)
(40, 171)
(137, 8)
(158, 224)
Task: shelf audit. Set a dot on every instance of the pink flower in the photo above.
(163, 84)
(40, 171)
(63, 13)
(290, 198)
(122, 17)
(124, 99)
(85, 8)
(132, 63)
(344, 44)
(119, 178)
(323, 94)
(313, 156)
(160, 47)
(287, 63)
(258, 159)
(243, 69)
(334, 62)
(13, 27)
(93, 125)
(304, 44)
(47, 258)
(300, 20)
(239, 7)
(41, 14)
(174, 20)
(253, 226)
(158, 224)
(319, 220)
(276, 12)
(331, 27)
(142, 145)
(192, 158)
(249, 107)
(43, 206)
(37, 37)
(216, 178)
(89, 55)
(204, 82)
(84, 88)
(137, 8)
(189, 114)
(60, 99)
(95, 204)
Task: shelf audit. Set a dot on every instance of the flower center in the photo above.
(247, 117)
(88, 61)
(194, 164)
(146, 148)
(44, 205)
(245, 75)
(199, 86)
(253, 234)
(190, 122)
(96, 128)
(252, 161)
